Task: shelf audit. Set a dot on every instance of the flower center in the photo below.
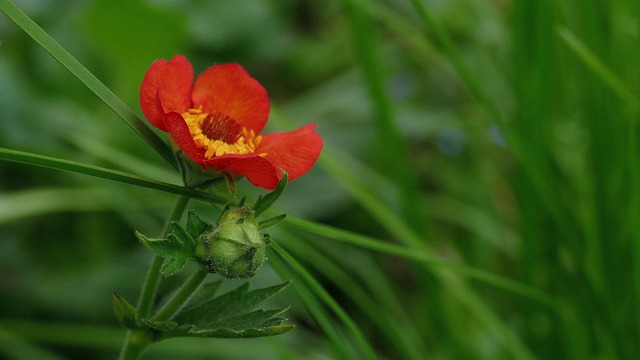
(218, 134)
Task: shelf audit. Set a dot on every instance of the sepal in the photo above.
(263, 203)
(271, 221)
(193, 174)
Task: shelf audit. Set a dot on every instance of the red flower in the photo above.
(217, 121)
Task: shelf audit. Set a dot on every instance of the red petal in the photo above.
(260, 171)
(182, 136)
(294, 151)
(173, 80)
(229, 89)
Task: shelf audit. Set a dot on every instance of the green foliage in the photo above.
(231, 315)
(477, 197)
(178, 247)
(263, 203)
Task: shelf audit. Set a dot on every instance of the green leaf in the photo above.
(173, 265)
(182, 236)
(195, 225)
(176, 249)
(115, 175)
(125, 312)
(237, 301)
(272, 221)
(253, 324)
(231, 315)
(264, 202)
(254, 319)
(228, 333)
(598, 67)
(87, 78)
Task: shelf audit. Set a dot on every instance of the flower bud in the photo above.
(235, 247)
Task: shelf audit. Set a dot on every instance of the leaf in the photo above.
(109, 174)
(183, 237)
(272, 221)
(264, 202)
(231, 315)
(227, 333)
(237, 301)
(195, 225)
(173, 265)
(178, 248)
(254, 319)
(87, 78)
(162, 247)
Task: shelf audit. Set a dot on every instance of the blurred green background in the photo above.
(498, 137)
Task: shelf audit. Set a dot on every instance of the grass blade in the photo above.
(315, 309)
(321, 293)
(96, 171)
(87, 78)
(416, 255)
(598, 67)
(395, 154)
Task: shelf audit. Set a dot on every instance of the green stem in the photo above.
(137, 340)
(181, 296)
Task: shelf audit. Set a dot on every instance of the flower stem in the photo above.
(137, 340)
(181, 296)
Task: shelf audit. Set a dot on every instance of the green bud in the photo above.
(235, 247)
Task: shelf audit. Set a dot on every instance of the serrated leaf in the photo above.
(173, 265)
(228, 333)
(264, 202)
(195, 225)
(178, 248)
(183, 237)
(272, 221)
(163, 247)
(252, 320)
(232, 303)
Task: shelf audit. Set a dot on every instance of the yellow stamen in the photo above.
(227, 140)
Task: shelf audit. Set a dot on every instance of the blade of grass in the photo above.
(405, 32)
(597, 67)
(326, 298)
(315, 308)
(393, 323)
(123, 160)
(473, 85)
(91, 170)
(87, 78)
(634, 196)
(419, 256)
(394, 153)
(403, 232)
